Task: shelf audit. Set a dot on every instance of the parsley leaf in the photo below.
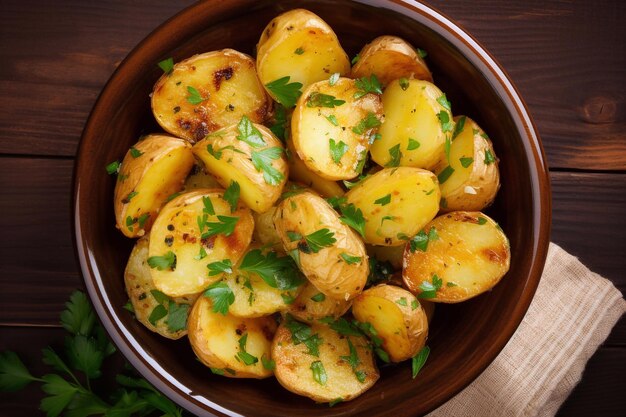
(332, 119)
(445, 174)
(369, 122)
(319, 373)
(445, 103)
(225, 226)
(446, 148)
(429, 289)
(404, 83)
(299, 51)
(319, 297)
(13, 374)
(218, 267)
(286, 93)
(317, 240)
(380, 271)
(157, 314)
(78, 317)
(167, 65)
(268, 364)
(420, 240)
(231, 195)
(194, 96)
(262, 161)
(302, 333)
(249, 133)
(342, 326)
(280, 122)
(355, 59)
(482, 220)
(317, 99)
(247, 358)
(83, 354)
(353, 217)
(349, 259)
(277, 272)
(135, 153)
(421, 53)
(396, 155)
(163, 262)
(418, 361)
(444, 121)
(337, 150)
(208, 206)
(402, 301)
(113, 167)
(367, 85)
(221, 296)
(383, 201)
(458, 128)
(466, 162)
(413, 144)
(489, 158)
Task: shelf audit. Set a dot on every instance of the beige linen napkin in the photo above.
(571, 314)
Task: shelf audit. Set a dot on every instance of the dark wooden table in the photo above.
(568, 59)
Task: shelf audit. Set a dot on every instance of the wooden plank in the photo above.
(562, 58)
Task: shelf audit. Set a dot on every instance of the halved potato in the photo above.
(397, 317)
(298, 44)
(207, 92)
(470, 179)
(396, 204)
(332, 125)
(198, 178)
(312, 304)
(328, 375)
(299, 172)
(415, 128)
(390, 58)
(152, 170)
(327, 251)
(141, 292)
(192, 231)
(217, 341)
(257, 162)
(468, 256)
(264, 230)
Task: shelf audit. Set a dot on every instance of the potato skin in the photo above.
(302, 31)
(307, 309)
(474, 187)
(176, 230)
(470, 256)
(293, 365)
(235, 164)
(390, 58)
(152, 170)
(139, 287)
(307, 213)
(312, 132)
(411, 320)
(228, 86)
(410, 196)
(215, 338)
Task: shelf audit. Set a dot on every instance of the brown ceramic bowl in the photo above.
(464, 339)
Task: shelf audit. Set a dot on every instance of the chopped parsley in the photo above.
(225, 226)
(245, 357)
(231, 195)
(302, 333)
(299, 51)
(482, 220)
(489, 158)
(445, 174)
(277, 272)
(466, 162)
(221, 297)
(167, 261)
(413, 144)
(286, 93)
(113, 167)
(350, 259)
(334, 78)
(421, 53)
(420, 240)
(177, 316)
(418, 361)
(402, 301)
(460, 125)
(368, 122)
(317, 99)
(445, 121)
(354, 361)
(167, 65)
(404, 83)
(395, 156)
(218, 267)
(319, 297)
(194, 96)
(367, 85)
(249, 134)
(383, 201)
(429, 289)
(319, 373)
(280, 122)
(332, 119)
(262, 161)
(135, 153)
(355, 59)
(314, 242)
(337, 150)
(445, 103)
(353, 217)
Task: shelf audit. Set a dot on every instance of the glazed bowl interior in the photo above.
(464, 338)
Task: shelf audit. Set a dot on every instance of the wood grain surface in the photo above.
(567, 58)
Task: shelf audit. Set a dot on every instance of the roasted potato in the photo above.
(264, 230)
(231, 346)
(470, 179)
(152, 170)
(397, 317)
(467, 255)
(311, 304)
(252, 156)
(416, 125)
(198, 178)
(391, 254)
(193, 232)
(332, 127)
(327, 251)
(207, 92)
(337, 368)
(390, 58)
(396, 203)
(153, 309)
(298, 44)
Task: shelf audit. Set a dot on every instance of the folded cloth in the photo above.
(572, 313)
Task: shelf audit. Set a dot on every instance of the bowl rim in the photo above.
(424, 14)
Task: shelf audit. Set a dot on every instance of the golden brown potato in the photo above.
(327, 251)
(467, 255)
(252, 156)
(390, 58)
(396, 204)
(193, 232)
(332, 127)
(325, 373)
(153, 309)
(312, 305)
(231, 346)
(152, 170)
(298, 44)
(207, 92)
(470, 179)
(264, 230)
(416, 125)
(198, 178)
(397, 317)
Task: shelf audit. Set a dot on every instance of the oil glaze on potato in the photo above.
(152, 170)
(413, 132)
(177, 231)
(207, 92)
(390, 58)
(396, 203)
(300, 45)
(298, 171)
(333, 141)
(470, 256)
(215, 339)
(311, 304)
(229, 158)
(301, 216)
(295, 365)
(140, 289)
(470, 180)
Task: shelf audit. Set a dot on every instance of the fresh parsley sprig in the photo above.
(367, 85)
(286, 93)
